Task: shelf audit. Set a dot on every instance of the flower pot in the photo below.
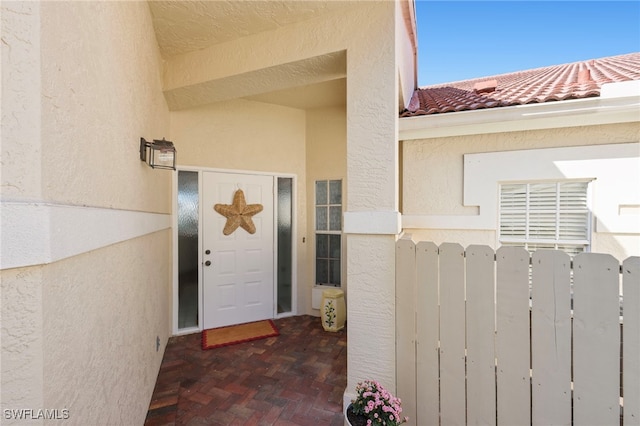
(333, 310)
(351, 419)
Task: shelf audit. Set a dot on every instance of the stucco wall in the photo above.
(103, 311)
(22, 340)
(254, 137)
(241, 134)
(261, 137)
(20, 289)
(79, 333)
(20, 170)
(101, 92)
(98, 72)
(326, 159)
(433, 176)
(372, 185)
(371, 152)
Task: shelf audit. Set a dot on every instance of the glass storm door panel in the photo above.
(187, 249)
(238, 269)
(285, 244)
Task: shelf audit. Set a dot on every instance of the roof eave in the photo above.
(569, 113)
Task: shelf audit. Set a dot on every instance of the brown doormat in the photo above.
(230, 335)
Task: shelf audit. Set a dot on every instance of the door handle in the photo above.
(207, 263)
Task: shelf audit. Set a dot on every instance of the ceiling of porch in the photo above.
(187, 26)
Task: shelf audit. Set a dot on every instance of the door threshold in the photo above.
(190, 330)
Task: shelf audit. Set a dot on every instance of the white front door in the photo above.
(238, 267)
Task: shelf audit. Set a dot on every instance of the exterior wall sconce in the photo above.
(158, 154)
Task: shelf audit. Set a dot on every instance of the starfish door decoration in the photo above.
(238, 214)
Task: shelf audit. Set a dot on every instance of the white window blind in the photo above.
(540, 215)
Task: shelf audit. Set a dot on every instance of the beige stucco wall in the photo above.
(260, 137)
(20, 288)
(433, 178)
(102, 313)
(80, 333)
(241, 134)
(372, 185)
(371, 149)
(253, 137)
(22, 340)
(326, 159)
(86, 88)
(100, 88)
(21, 175)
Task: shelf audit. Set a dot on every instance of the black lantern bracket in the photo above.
(159, 154)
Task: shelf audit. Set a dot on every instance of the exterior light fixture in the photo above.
(158, 154)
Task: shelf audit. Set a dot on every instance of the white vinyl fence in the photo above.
(490, 337)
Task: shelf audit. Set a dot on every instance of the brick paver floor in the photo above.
(297, 378)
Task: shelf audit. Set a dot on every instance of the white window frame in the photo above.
(327, 231)
(531, 243)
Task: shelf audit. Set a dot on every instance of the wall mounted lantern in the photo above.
(158, 154)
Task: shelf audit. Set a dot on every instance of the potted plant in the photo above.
(374, 406)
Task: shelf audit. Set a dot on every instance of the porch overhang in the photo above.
(326, 69)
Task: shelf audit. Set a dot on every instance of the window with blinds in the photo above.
(545, 215)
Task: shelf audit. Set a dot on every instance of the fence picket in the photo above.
(452, 338)
(405, 324)
(480, 319)
(427, 387)
(596, 342)
(631, 339)
(512, 338)
(551, 338)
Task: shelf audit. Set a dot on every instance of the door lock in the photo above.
(207, 252)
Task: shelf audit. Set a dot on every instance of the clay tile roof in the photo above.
(554, 83)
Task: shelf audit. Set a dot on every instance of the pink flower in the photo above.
(379, 406)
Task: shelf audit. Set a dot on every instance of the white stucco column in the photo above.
(371, 220)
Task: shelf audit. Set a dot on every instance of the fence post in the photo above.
(551, 338)
(631, 340)
(512, 336)
(481, 325)
(427, 335)
(596, 339)
(452, 334)
(406, 325)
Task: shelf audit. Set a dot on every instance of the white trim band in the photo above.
(372, 222)
(34, 233)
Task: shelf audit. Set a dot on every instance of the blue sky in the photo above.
(458, 40)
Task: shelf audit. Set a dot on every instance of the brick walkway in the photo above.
(297, 378)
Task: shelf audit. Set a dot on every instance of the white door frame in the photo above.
(294, 244)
